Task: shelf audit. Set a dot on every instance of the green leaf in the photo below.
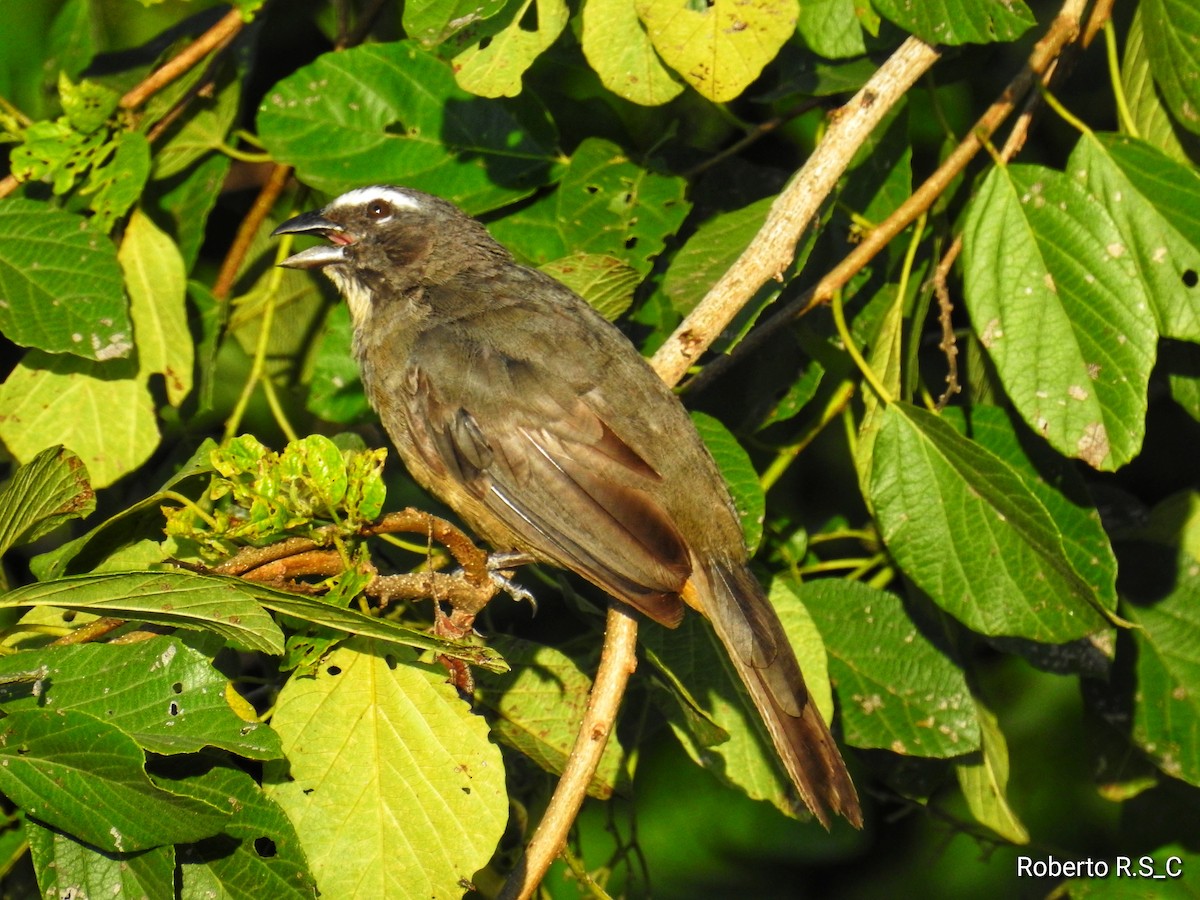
(618, 48)
(86, 105)
(117, 184)
(267, 860)
(60, 283)
(1166, 704)
(398, 116)
(1154, 124)
(1154, 202)
(721, 47)
(102, 411)
(204, 129)
(1055, 482)
(392, 783)
(335, 389)
(831, 28)
(67, 867)
(1170, 28)
(739, 474)
(603, 281)
(433, 21)
(954, 22)
(494, 65)
(73, 38)
(608, 204)
(1055, 299)
(86, 777)
(157, 286)
(538, 707)
(224, 606)
(967, 530)
(696, 659)
(710, 251)
(50, 489)
(897, 690)
(162, 693)
(984, 781)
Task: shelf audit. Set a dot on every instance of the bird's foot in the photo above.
(500, 568)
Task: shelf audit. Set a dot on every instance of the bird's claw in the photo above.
(500, 566)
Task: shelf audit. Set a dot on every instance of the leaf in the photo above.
(210, 117)
(157, 285)
(224, 606)
(538, 707)
(162, 693)
(1166, 704)
(434, 21)
(607, 204)
(618, 48)
(710, 251)
(67, 867)
(967, 530)
(50, 489)
(719, 47)
(85, 777)
(399, 117)
(984, 781)
(739, 474)
(1170, 28)
(335, 390)
(898, 691)
(954, 22)
(697, 660)
(1055, 300)
(394, 787)
(267, 860)
(1153, 122)
(101, 411)
(60, 284)
(603, 281)
(493, 66)
(831, 28)
(1153, 200)
(116, 185)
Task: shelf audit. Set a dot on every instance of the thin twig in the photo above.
(224, 31)
(244, 238)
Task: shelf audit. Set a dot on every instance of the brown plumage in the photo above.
(537, 421)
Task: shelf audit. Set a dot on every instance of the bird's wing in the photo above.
(537, 451)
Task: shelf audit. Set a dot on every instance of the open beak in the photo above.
(323, 254)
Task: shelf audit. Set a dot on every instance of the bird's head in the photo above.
(384, 240)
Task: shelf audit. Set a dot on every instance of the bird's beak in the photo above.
(323, 254)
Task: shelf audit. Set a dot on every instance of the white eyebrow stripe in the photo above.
(398, 198)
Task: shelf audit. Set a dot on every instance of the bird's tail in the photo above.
(754, 638)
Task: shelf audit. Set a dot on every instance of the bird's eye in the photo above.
(379, 209)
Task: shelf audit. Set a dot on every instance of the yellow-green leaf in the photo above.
(618, 48)
(494, 68)
(157, 284)
(720, 47)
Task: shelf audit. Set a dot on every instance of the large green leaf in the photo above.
(959, 21)
(60, 283)
(1170, 28)
(68, 867)
(393, 785)
(965, 527)
(1155, 202)
(392, 113)
(52, 488)
(164, 694)
(897, 690)
(1056, 300)
(102, 411)
(86, 777)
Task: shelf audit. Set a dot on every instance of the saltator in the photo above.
(539, 423)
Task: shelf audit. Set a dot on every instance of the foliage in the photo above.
(1022, 550)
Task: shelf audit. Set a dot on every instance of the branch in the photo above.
(224, 31)
(1062, 31)
(772, 250)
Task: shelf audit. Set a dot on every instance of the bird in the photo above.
(540, 424)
